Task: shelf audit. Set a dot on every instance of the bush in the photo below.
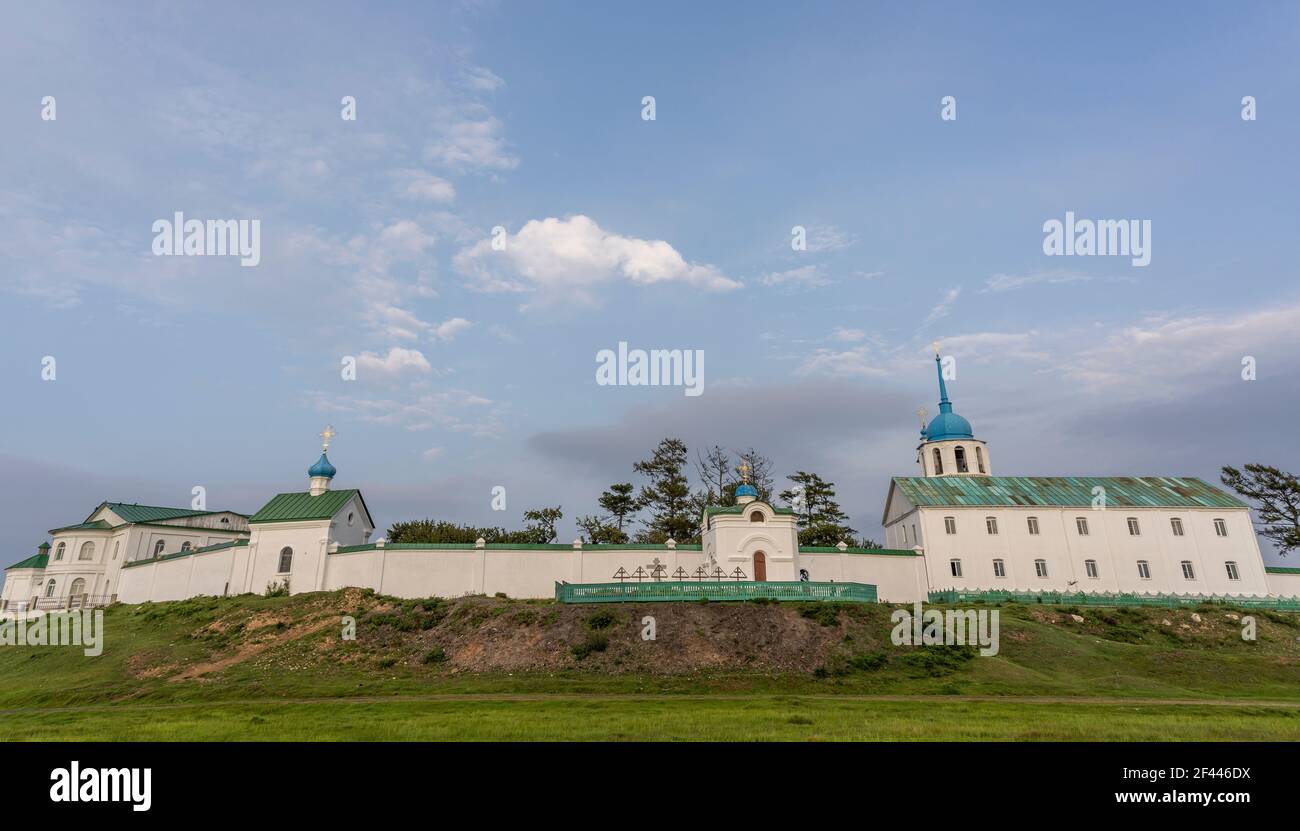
(595, 642)
(435, 656)
(386, 662)
(827, 614)
(938, 660)
(601, 620)
(277, 589)
(869, 662)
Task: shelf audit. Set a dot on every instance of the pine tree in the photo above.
(821, 522)
(667, 496)
(1278, 496)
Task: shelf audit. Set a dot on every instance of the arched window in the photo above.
(185, 546)
(78, 587)
(58, 552)
(158, 548)
(960, 453)
(979, 458)
(286, 559)
(757, 516)
(938, 461)
(87, 551)
(49, 588)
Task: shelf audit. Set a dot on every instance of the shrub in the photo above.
(277, 589)
(595, 642)
(601, 620)
(870, 662)
(435, 656)
(827, 614)
(386, 662)
(938, 660)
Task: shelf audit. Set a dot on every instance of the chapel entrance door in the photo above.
(760, 566)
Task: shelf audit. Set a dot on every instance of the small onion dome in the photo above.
(322, 468)
(747, 490)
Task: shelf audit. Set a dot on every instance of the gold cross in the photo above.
(326, 434)
(744, 471)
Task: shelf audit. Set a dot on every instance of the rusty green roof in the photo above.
(34, 561)
(298, 507)
(1064, 491)
(97, 525)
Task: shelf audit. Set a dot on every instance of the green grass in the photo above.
(1120, 675)
(753, 718)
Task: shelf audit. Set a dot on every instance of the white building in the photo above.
(956, 526)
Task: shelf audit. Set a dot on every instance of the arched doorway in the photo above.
(760, 566)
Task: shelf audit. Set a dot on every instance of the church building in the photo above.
(954, 526)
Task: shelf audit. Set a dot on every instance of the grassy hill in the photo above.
(279, 668)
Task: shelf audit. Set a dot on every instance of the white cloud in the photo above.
(397, 362)
(574, 256)
(856, 362)
(472, 145)
(848, 335)
(826, 238)
(944, 306)
(808, 275)
(1011, 282)
(432, 453)
(422, 185)
(482, 79)
(449, 329)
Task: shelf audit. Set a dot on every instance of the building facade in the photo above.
(955, 526)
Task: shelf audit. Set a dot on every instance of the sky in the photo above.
(476, 367)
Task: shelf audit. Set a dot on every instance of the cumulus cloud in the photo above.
(575, 256)
(472, 145)
(399, 361)
(449, 329)
(424, 186)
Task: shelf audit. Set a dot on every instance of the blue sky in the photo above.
(477, 369)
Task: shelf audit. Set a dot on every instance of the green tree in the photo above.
(620, 503)
(667, 495)
(599, 531)
(821, 522)
(539, 525)
(760, 475)
(1276, 494)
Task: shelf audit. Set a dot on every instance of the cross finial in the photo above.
(936, 348)
(744, 472)
(325, 435)
(921, 414)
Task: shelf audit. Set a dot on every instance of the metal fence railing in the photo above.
(673, 590)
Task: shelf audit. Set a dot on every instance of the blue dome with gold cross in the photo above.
(322, 468)
(947, 424)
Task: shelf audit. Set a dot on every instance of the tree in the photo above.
(667, 496)
(760, 474)
(598, 531)
(821, 522)
(867, 542)
(539, 525)
(619, 502)
(718, 476)
(1277, 497)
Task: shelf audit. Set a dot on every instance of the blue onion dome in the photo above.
(947, 424)
(322, 468)
(747, 490)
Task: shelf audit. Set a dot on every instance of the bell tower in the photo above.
(948, 445)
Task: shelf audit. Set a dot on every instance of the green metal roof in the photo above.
(832, 549)
(740, 509)
(191, 552)
(1064, 491)
(1271, 570)
(97, 525)
(512, 546)
(34, 561)
(131, 512)
(296, 507)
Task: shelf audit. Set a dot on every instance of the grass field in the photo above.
(255, 668)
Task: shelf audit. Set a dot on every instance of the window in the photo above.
(938, 461)
(116, 547)
(950, 524)
(1090, 568)
(991, 523)
(960, 454)
(999, 568)
(185, 546)
(757, 516)
(904, 535)
(49, 589)
(286, 559)
(979, 458)
(1232, 570)
(1081, 523)
(78, 587)
(225, 520)
(1220, 528)
(915, 537)
(1189, 573)
(158, 547)
(955, 566)
(352, 517)
(1040, 568)
(1134, 530)
(87, 551)
(1144, 569)
(1177, 525)
(1033, 525)
(58, 552)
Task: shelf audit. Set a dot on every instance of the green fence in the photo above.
(1164, 601)
(662, 591)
